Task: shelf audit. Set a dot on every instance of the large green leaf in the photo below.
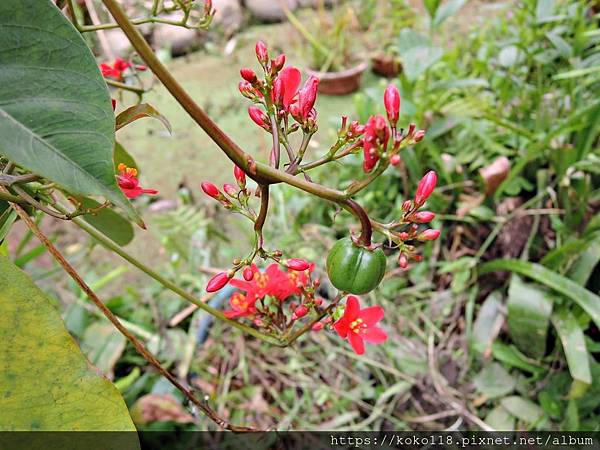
(56, 118)
(529, 309)
(587, 300)
(45, 382)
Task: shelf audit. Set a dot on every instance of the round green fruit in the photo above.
(355, 269)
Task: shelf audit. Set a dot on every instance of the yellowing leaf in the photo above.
(46, 383)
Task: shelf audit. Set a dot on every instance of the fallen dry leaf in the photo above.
(494, 174)
(159, 408)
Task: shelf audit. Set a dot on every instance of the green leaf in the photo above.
(108, 222)
(523, 409)
(56, 117)
(582, 268)
(494, 381)
(447, 10)
(140, 111)
(529, 310)
(103, 345)
(513, 357)
(45, 382)
(588, 301)
(500, 419)
(123, 156)
(488, 322)
(417, 53)
(573, 342)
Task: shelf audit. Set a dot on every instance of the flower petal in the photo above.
(341, 326)
(357, 343)
(371, 315)
(352, 308)
(375, 335)
(291, 78)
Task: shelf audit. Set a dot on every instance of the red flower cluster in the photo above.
(129, 183)
(117, 68)
(359, 325)
(285, 92)
(378, 133)
(273, 282)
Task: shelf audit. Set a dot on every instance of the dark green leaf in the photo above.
(123, 156)
(56, 117)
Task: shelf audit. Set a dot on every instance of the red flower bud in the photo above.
(296, 264)
(301, 311)
(406, 205)
(317, 326)
(262, 54)
(424, 216)
(114, 103)
(259, 117)
(391, 100)
(230, 190)
(411, 130)
(246, 89)
(210, 189)
(318, 301)
(425, 187)
(395, 160)
(429, 235)
(307, 96)
(240, 177)
(248, 273)
(403, 261)
(217, 282)
(419, 135)
(249, 75)
(278, 63)
(403, 235)
(355, 129)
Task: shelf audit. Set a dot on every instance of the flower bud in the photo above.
(230, 190)
(425, 188)
(406, 205)
(307, 96)
(424, 216)
(403, 261)
(301, 311)
(317, 326)
(210, 189)
(259, 117)
(277, 64)
(277, 253)
(296, 264)
(395, 160)
(403, 236)
(249, 75)
(248, 273)
(391, 100)
(419, 135)
(247, 90)
(411, 130)
(240, 177)
(429, 235)
(217, 282)
(262, 54)
(355, 129)
(318, 301)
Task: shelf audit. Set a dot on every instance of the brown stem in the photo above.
(276, 143)
(262, 214)
(139, 346)
(365, 222)
(309, 325)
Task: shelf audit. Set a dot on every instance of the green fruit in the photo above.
(355, 269)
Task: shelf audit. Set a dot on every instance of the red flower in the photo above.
(129, 184)
(116, 69)
(286, 86)
(241, 305)
(359, 325)
(273, 282)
